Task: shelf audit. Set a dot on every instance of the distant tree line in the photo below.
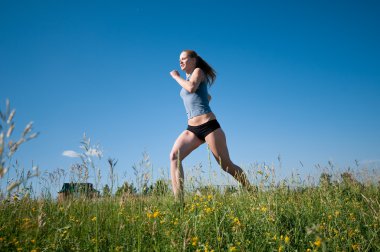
(347, 179)
(160, 187)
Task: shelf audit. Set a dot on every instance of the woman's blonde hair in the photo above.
(202, 64)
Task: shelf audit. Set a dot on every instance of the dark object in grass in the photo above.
(76, 190)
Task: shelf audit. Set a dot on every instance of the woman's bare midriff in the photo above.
(198, 120)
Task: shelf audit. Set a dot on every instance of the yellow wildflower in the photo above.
(263, 209)
(236, 221)
(156, 214)
(209, 197)
(206, 247)
(194, 241)
(208, 210)
(93, 218)
(232, 249)
(287, 240)
(318, 242)
(281, 248)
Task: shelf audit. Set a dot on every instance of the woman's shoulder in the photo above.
(198, 70)
(201, 73)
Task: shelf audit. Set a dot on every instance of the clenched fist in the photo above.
(174, 74)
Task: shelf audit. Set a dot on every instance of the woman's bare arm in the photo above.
(192, 84)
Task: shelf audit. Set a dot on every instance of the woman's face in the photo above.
(186, 63)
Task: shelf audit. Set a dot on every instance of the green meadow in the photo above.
(337, 217)
(339, 212)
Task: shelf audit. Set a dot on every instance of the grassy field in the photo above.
(339, 215)
(331, 217)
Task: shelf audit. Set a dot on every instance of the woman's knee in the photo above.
(174, 155)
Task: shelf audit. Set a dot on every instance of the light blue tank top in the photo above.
(196, 103)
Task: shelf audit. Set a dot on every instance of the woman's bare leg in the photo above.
(216, 140)
(183, 146)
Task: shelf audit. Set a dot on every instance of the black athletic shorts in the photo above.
(201, 131)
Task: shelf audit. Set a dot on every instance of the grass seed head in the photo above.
(10, 118)
(10, 130)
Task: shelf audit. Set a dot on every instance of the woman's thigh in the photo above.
(217, 143)
(185, 144)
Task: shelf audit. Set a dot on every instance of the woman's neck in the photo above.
(189, 72)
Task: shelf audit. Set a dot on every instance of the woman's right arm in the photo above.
(191, 85)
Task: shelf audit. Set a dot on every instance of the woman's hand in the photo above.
(174, 74)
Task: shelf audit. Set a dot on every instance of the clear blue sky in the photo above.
(299, 79)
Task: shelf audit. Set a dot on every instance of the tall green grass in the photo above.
(336, 217)
(340, 215)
